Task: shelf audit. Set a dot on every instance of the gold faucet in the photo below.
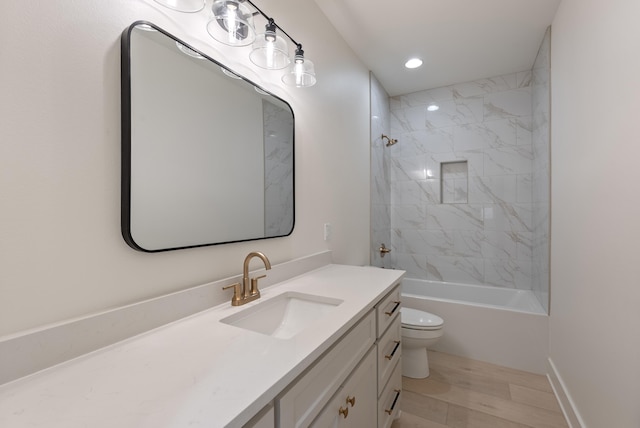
(248, 291)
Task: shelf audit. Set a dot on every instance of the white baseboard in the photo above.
(569, 409)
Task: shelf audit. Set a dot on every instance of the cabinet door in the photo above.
(308, 395)
(353, 405)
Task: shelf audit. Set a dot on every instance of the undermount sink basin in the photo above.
(283, 316)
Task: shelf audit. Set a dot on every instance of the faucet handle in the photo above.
(254, 285)
(236, 300)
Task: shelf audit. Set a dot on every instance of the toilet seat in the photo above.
(414, 319)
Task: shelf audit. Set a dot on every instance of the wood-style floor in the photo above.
(465, 393)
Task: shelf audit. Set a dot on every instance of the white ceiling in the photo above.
(458, 40)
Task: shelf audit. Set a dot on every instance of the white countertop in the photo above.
(194, 372)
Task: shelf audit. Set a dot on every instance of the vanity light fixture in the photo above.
(269, 50)
(189, 6)
(301, 73)
(413, 63)
(232, 24)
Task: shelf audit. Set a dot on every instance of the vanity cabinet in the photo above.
(356, 383)
(354, 404)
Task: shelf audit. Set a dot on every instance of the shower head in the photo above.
(390, 141)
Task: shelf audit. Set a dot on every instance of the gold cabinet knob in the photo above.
(344, 412)
(351, 400)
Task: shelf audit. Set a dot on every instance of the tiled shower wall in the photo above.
(541, 136)
(489, 223)
(488, 239)
(380, 183)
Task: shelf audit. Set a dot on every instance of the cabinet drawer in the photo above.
(389, 402)
(389, 352)
(354, 405)
(300, 404)
(387, 310)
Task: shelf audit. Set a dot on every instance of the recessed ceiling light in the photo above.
(433, 107)
(413, 63)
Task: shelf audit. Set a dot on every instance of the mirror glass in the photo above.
(207, 156)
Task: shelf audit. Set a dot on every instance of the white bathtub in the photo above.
(502, 326)
(479, 295)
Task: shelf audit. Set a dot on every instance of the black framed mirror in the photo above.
(207, 156)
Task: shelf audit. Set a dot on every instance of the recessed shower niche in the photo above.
(454, 182)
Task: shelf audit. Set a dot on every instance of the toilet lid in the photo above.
(419, 320)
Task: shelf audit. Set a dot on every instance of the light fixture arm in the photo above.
(272, 21)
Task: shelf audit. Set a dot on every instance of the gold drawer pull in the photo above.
(395, 308)
(395, 400)
(351, 400)
(395, 348)
(344, 412)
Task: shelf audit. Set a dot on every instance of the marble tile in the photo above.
(540, 139)
(409, 119)
(423, 142)
(423, 98)
(407, 216)
(409, 144)
(508, 160)
(500, 105)
(524, 130)
(380, 183)
(495, 133)
(455, 191)
(458, 217)
(452, 243)
(508, 273)
(494, 189)
(507, 245)
(525, 245)
(381, 216)
(431, 191)
(485, 86)
(524, 79)
(499, 126)
(409, 168)
(508, 217)
(407, 193)
(455, 112)
(474, 158)
(395, 102)
(524, 188)
(414, 264)
(438, 242)
(465, 270)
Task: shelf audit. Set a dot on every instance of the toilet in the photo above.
(419, 330)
